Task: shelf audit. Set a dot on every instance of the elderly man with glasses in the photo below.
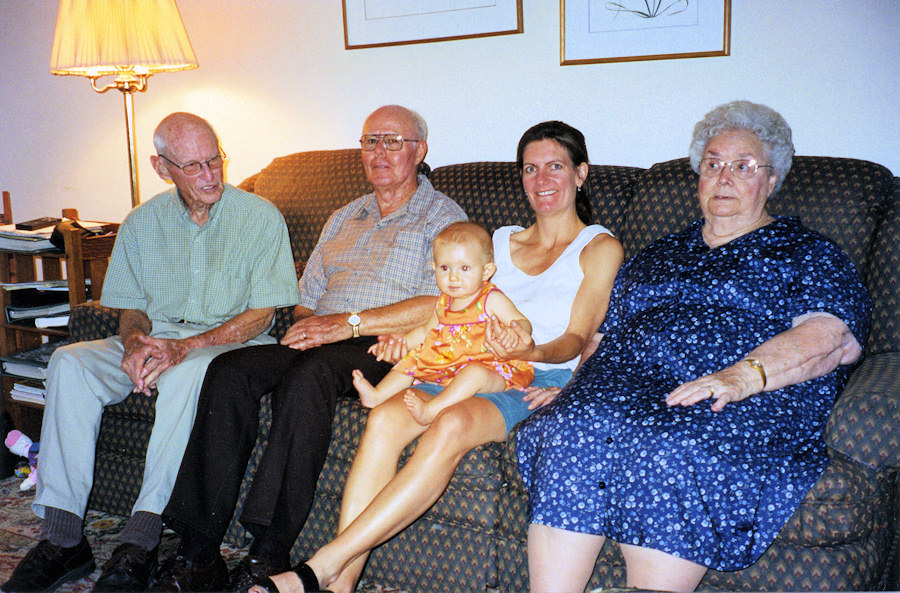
(369, 274)
(195, 272)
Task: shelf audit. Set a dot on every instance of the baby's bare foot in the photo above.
(418, 409)
(368, 396)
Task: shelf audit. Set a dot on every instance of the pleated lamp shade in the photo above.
(110, 37)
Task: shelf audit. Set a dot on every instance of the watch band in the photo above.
(354, 322)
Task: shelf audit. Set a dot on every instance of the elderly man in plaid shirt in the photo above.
(372, 254)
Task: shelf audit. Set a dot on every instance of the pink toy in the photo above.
(21, 445)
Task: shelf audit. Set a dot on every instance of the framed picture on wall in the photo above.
(374, 23)
(593, 31)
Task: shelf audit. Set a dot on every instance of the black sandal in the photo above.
(307, 578)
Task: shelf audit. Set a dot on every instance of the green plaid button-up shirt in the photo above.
(172, 269)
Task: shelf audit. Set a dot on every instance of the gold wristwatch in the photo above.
(354, 322)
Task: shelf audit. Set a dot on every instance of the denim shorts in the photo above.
(510, 403)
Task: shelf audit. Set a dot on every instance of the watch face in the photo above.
(354, 319)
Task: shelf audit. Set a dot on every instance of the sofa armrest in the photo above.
(93, 321)
(864, 421)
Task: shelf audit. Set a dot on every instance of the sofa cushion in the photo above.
(307, 187)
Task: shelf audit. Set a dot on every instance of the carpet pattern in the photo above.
(20, 529)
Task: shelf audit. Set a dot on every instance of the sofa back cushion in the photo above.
(844, 199)
(491, 192)
(307, 187)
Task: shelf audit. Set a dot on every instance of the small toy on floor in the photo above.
(23, 446)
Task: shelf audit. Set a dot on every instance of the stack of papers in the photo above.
(13, 239)
(28, 390)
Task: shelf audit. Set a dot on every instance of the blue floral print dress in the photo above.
(609, 457)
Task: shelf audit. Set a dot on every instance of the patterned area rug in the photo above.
(20, 529)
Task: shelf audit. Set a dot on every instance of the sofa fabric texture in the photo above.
(843, 536)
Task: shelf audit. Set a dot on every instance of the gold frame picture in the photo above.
(378, 23)
(598, 31)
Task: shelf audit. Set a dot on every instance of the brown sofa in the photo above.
(844, 535)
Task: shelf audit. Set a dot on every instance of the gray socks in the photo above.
(143, 529)
(63, 528)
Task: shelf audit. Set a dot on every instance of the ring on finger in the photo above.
(712, 392)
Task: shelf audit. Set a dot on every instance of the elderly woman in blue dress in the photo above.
(693, 432)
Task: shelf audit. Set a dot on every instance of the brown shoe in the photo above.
(180, 574)
(47, 566)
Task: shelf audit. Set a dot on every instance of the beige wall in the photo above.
(275, 78)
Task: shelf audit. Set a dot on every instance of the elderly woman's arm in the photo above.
(816, 345)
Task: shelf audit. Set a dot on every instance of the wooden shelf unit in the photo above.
(85, 258)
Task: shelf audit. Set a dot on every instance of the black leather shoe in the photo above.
(47, 566)
(250, 571)
(180, 574)
(128, 569)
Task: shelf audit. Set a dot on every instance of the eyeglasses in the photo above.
(369, 142)
(194, 167)
(741, 168)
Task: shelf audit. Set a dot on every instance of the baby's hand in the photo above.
(389, 348)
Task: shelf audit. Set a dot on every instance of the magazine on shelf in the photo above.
(13, 239)
(31, 363)
(36, 386)
(19, 313)
(35, 297)
(39, 284)
(49, 299)
(9, 244)
(52, 321)
(28, 390)
(26, 396)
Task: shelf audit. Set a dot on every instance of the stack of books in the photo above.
(28, 390)
(30, 368)
(15, 239)
(44, 303)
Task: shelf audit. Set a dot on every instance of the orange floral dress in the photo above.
(459, 340)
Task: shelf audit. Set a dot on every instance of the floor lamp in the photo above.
(128, 39)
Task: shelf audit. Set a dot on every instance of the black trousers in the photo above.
(305, 387)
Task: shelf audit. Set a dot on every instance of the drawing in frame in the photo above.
(376, 23)
(594, 31)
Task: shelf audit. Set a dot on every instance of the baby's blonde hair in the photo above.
(468, 233)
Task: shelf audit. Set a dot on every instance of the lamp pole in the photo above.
(129, 83)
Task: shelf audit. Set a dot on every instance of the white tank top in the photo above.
(546, 299)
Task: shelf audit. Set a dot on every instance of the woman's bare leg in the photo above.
(389, 429)
(652, 569)
(560, 561)
(410, 493)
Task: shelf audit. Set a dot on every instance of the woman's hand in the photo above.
(538, 397)
(510, 342)
(731, 384)
(389, 348)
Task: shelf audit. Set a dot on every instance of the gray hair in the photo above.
(764, 122)
(419, 124)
